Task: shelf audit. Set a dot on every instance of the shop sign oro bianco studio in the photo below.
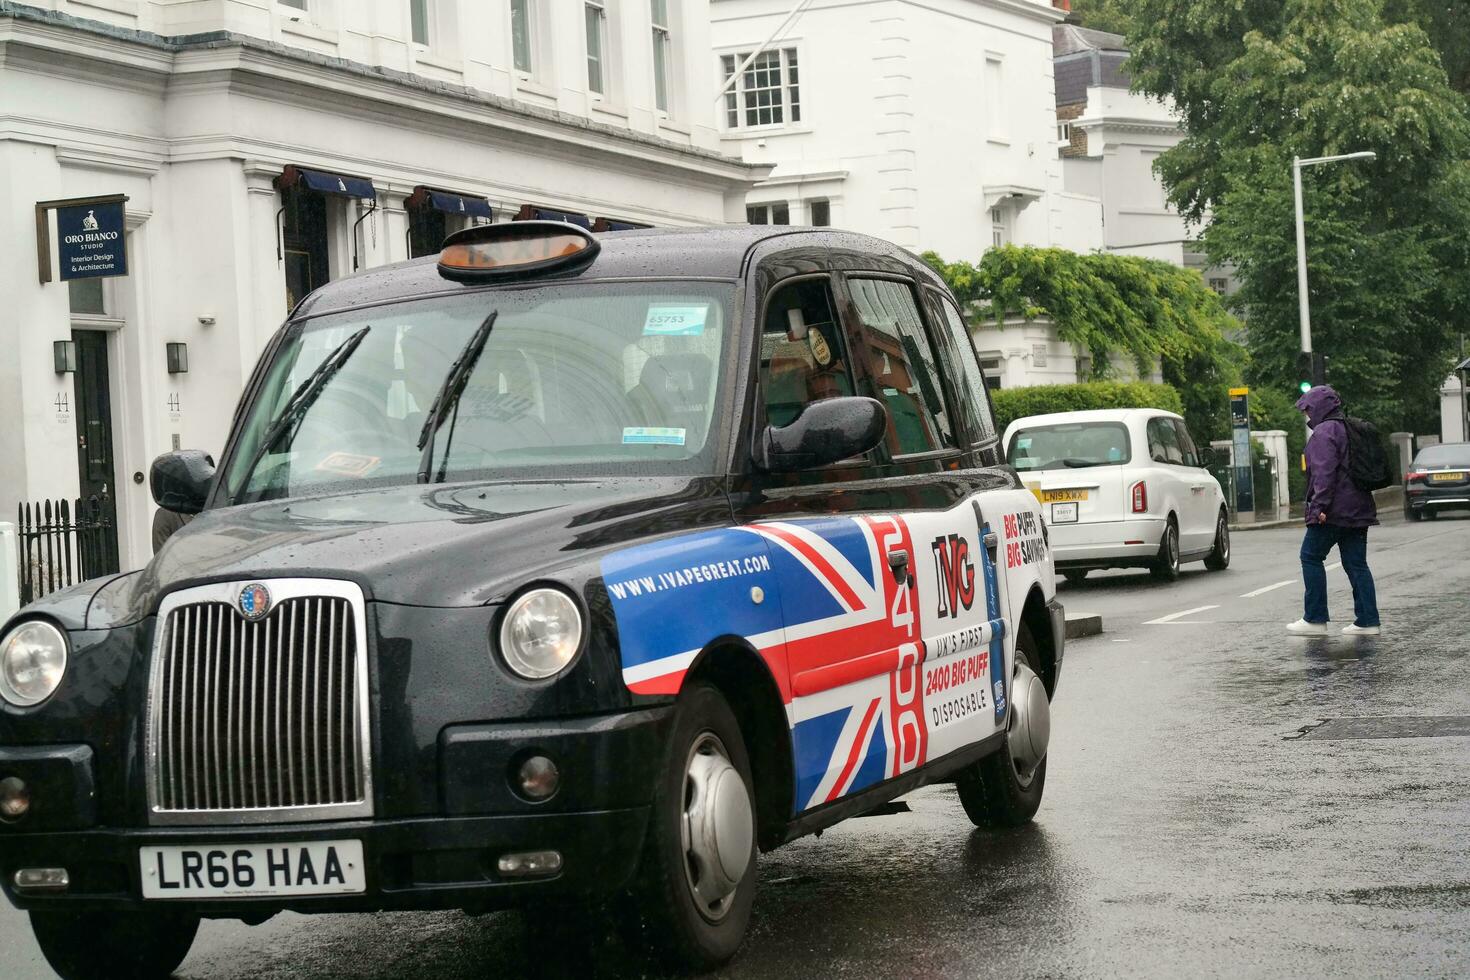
(91, 240)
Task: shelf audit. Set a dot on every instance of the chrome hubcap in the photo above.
(716, 827)
(1030, 729)
(1173, 547)
(1224, 534)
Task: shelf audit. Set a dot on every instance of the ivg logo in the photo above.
(954, 571)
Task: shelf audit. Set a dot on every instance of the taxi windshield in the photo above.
(588, 379)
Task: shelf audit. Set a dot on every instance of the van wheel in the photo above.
(107, 945)
(696, 882)
(1004, 789)
(1219, 557)
(1165, 567)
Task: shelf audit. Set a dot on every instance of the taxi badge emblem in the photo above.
(255, 602)
(819, 348)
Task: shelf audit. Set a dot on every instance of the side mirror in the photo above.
(181, 480)
(826, 431)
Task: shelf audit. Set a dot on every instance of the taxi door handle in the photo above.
(899, 562)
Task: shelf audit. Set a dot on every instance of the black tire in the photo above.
(1165, 567)
(1410, 514)
(992, 792)
(114, 945)
(688, 934)
(1075, 576)
(1219, 557)
(1433, 515)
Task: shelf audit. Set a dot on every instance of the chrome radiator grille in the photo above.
(259, 721)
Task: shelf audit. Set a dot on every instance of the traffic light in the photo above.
(1311, 367)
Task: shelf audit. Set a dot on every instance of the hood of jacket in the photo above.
(1319, 404)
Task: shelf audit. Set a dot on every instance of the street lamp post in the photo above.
(1297, 163)
(1304, 306)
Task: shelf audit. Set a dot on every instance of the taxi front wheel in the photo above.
(108, 945)
(697, 880)
(1004, 788)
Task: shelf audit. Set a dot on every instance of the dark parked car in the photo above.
(1438, 480)
(564, 568)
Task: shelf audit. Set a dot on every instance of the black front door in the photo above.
(304, 235)
(96, 516)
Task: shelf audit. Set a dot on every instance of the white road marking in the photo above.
(1269, 588)
(1179, 615)
(1283, 584)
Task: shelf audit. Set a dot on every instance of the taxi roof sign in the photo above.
(516, 248)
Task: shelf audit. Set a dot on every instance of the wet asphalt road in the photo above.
(1185, 831)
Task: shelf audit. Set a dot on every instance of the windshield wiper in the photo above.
(1073, 462)
(448, 398)
(306, 393)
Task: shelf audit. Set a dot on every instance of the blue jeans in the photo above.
(1352, 547)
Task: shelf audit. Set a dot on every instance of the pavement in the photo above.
(1223, 800)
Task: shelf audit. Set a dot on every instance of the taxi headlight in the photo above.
(541, 633)
(32, 660)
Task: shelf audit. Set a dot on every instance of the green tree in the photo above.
(1148, 311)
(1446, 22)
(1259, 81)
(1104, 15)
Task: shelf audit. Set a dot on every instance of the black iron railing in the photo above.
(64, 542)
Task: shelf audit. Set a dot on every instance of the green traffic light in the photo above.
(1305, 386)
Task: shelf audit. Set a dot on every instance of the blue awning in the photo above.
(570, 217)
(470, 207)
(338, 184)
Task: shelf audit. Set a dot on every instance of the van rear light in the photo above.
(1139, 496)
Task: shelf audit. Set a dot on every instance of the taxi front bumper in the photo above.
(430, 863)
(595, 821)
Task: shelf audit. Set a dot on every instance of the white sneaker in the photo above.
(1356, 630)
(1303, 628)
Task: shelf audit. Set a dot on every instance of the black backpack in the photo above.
(1367, 463)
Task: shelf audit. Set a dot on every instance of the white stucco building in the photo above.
(1110, 138)
(931, 124)
(266, 146)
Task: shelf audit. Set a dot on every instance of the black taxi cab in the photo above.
(560, 569)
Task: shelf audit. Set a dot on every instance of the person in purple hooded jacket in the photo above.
(1339, 514)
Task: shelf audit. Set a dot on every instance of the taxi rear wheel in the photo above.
(1004, 789)
(697, 880)
(1219, 557)
(96, 945)
(1165, 567)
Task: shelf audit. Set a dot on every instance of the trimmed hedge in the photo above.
(1017, 403)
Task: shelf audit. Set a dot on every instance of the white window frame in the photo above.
(768, 208)
(995, 83)
(428, 41)
(529, 15)
(604, 75)
(663, 55)
(1000, 227)
(789, 62)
